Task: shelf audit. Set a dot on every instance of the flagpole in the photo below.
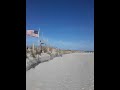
(39, 37)
(38, 41)
(42, 36)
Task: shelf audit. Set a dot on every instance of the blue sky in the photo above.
(67, 24)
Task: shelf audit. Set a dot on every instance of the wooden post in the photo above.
(33, 48)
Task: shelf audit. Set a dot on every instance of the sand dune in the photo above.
(71, 72)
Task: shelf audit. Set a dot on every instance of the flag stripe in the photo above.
(32, 33)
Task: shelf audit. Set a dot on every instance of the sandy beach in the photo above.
(70, 72)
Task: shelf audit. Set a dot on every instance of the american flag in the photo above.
(33, 33)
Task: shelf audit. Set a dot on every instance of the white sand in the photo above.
(70, 72)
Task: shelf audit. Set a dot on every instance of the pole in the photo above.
(39, 37)
(42, 35)
(38, 41)
(33, 48)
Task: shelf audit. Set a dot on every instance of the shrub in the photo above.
(27, 50)
(44, 49)
(33, 55)
(38, 51)
(49, 53)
